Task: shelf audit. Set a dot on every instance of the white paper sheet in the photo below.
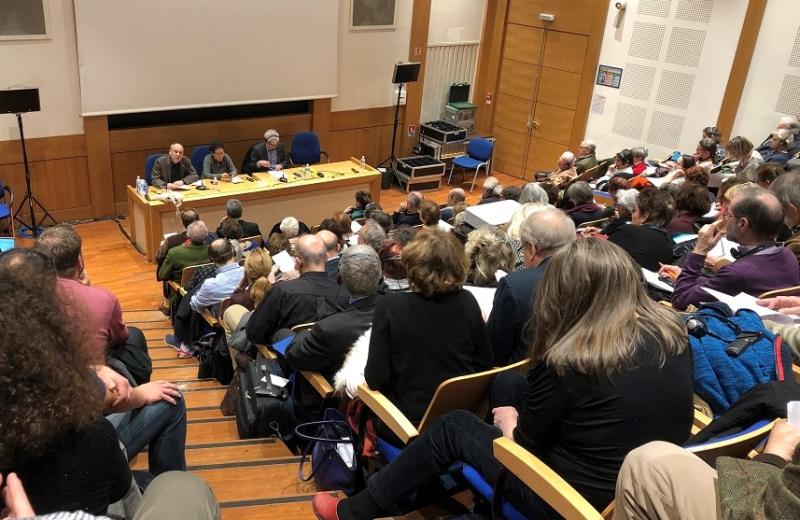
(745, 301)
(485, 297)
(652, 279)
(284, 261)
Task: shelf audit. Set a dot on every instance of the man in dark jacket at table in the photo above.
(267, 155)
(173, 170)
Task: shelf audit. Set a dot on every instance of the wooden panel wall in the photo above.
(59, 174)
(365, 132)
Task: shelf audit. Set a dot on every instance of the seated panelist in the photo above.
(218, 164)
(269, 155)
(173, 169)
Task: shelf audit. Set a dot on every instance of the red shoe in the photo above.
(324, 505)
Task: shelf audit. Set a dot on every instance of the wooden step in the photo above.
(210, 412)
(201, 384)
(175, 373)
(146, 326)
(143, 315)
(152, 335)
(174, 362)
(161, 352)
(204, 397)
(205, 457)
(298, 509)
(277, 481)
(205, 431)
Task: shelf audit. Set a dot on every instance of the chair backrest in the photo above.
(787, 291)
(480, 149)
(305, 148)
(594, 223)
(737, 445)
(148, 166)
(302, 326)
(198, 154)
(603, 197)
(188, 272)
(469, 392)
(255, 241)
(543, 481)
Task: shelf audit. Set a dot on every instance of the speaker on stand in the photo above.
(19, 101)
(403, 73)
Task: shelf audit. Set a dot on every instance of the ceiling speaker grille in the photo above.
(695, 10)
(675, 89)
(789, 98)
(794, 59)
(655, 7)
(685, 46)
(647, 40)
(637, 82)
(665, 130)
(629, 120)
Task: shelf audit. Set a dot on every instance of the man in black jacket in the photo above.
(308, 298)
(267, 155)
(324, 347)
(542, 234)
(234, 210)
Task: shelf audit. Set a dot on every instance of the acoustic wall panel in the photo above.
(629, 120)
(675, 89)
(694, 10)
(647, 40)
(654, 7)
(637, 83)
(685, 46)
(666, 130)
(789, 96)
(794, 57)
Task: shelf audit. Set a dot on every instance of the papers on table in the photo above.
(236, 179)
(485, 297)
(652, 279)
(745, 301)
(277, 175)
(184, 187)
(284, 261)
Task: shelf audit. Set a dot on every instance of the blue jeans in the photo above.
(160, 426)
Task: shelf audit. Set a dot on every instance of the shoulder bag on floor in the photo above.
(334, 462)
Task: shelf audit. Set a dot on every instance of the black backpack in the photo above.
(215, 361)
(136, 361)
(261, 407)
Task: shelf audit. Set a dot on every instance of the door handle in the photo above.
(536, 123)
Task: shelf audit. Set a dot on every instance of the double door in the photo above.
(542, 69)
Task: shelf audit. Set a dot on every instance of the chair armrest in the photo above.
(796, 373)
(543, 481)
(210, 318)
(175, 287)
(266, 352)
(388, 413)
(318, 382)
(701, 420)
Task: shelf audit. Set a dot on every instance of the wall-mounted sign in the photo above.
(609, 76)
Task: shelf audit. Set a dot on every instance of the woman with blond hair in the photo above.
(514, 225)
(610, 371)
(488, 251)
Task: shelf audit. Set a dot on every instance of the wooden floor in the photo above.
(253, 479)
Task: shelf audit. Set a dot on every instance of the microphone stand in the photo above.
(29, 197)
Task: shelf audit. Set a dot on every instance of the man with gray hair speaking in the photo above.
(267, 155)
(324, 347)
(542, 234)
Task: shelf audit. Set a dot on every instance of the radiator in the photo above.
(446, 63)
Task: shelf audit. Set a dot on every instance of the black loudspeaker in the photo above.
(405, 72)
(19, 100)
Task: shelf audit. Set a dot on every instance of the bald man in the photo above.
(173, 170)
(306, 299)
(752, 220)
(454, 196)
(332, 249)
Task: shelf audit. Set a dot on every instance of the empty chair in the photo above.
(198, 154)
(306, 149)
(479, 154)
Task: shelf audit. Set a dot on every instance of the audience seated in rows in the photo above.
(332, 249)
(585, 406)
(586, 157)
(408, 212)
(192, 253)
(579, 201)
(362, 199)
(323, 347)
(187, 217)
(234, 211)
(780, 147)
(512, 193)
(706, 152)
(712, 132)
(492, 191)
(394, 272)
(786, 189)
(513, 230)
(533, 192)
(565, 170)
(454, 196)
(691, 204)
(306, 299)
(372, 234)
(645, 238)
(429, 214)
(542, 234)
(767, 173)
(639, 165)
(741, 149)
(490, 255)
(752, 220)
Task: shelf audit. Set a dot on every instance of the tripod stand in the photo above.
(29, 198)
(391, 161)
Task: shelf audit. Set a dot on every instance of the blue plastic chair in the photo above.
(306, 149)
(198, 154)
(479, 155)
(6, 205)
(148, 166)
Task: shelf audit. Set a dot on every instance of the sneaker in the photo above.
(173, 341)
(184, 352)
(324, 505)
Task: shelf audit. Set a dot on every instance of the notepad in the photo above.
(745, 301)
(284, 261)
(653, 279)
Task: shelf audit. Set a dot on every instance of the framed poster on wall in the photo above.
(609, 76)
(24, 20)
(372, 14)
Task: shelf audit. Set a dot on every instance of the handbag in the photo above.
(334, 462)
